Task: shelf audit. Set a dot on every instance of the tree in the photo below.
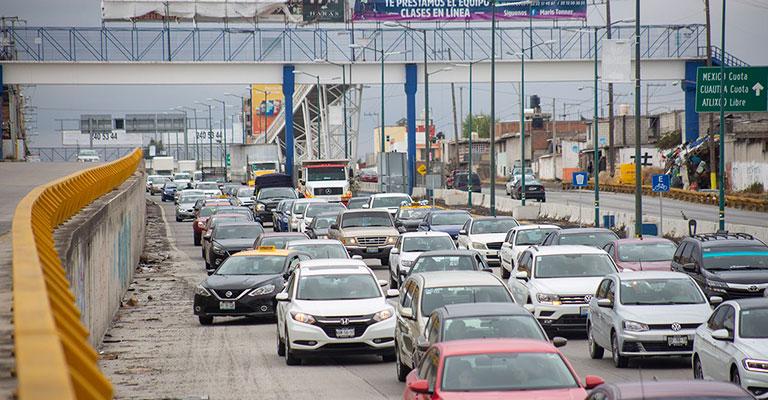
(480, 124)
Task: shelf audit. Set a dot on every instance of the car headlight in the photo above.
(303, 318)
(479, 246)
(391, 239)
(201, 291)
(218, 249)
(262, 290)
(406, 264)
(755, 365)
(632, 326)
(548, 298)
(350, 241)
(260, 207)
(382, 315)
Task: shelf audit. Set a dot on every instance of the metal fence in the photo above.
(277, 43)
(202, 152)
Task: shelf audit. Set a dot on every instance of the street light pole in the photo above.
(595, 144)
(493, 108)
(638, 172)
(210, 133)
(721, 167)
(224, 128)
(242, 115)
(470, 65)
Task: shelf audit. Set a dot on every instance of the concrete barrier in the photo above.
(100, 249)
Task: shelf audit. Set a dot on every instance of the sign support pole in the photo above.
(661, 214)
(721, 168)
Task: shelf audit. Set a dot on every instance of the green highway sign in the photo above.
(745, 89)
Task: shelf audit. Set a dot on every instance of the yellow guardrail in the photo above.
(54, 359)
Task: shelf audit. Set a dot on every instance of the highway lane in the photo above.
(162, 351)
(625, 202)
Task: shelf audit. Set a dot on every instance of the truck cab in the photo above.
(326, 179)
(259, 168)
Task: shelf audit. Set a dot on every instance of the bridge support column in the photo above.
(411, 83)
(288, 87)
(2, 156)
(689, 87)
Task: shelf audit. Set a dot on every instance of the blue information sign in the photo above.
(661, 183)
(580, 179)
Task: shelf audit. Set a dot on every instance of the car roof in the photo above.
(566, 249)
(423, 234)
(333, 266)
(482, 310)
(730, 243)
(692, 389)
(438, 211)
(286, 234)
(583, 230)
(492, 218)
(263, 251)
(238, 223)
(489, 346)
(443, 253)
(751, 302)
(366, 211)
(329, 214)
(312, 242)
(650, 239)
(534, 226)
(390, 195)
(458, 278)
(310, 200)
(360, 197)
(650, 275)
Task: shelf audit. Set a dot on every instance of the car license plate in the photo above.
(584, 311)
(226, 305)
(372, 250)
(677, 340)
(345, 332)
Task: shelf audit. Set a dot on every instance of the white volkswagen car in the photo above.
(486, 236)
(334, 306)
(388, 201)
(556, 283)
(409, 246)
(211, 189)
(654, 313)
(518, 239)
(297, 212)
(733, 345)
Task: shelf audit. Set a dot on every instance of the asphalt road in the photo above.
(158, 349)
(624, 202)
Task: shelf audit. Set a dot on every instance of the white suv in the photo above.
(518, 239)
(486, 235)
(388, 201)
(556, 283)
(334, 306)
(411, 245)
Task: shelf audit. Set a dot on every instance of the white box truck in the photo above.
(250, 160)
(163, 165)
(327, 179)
(188, 166)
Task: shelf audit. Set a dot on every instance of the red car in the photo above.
(647, 254)
(201, 216)
(496, 369)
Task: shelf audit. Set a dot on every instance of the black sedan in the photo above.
(534, 190)
(245, 285)
(407, 219)
(228, 238)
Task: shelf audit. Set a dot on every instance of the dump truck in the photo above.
(251, 160)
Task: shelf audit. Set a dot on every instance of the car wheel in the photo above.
(205, 319)
(735, 377)
(196, 239)
(595, 351)
(393, 282)
(698, 372)
(619, 361)
(505, 274)
(178, 219)
(385, 262)
(388, 357)
(401, 370)
(280, 345)
(290, 358)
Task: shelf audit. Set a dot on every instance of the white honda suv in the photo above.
(556, 283)
(334, 306)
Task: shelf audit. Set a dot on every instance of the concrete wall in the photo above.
(100, 249)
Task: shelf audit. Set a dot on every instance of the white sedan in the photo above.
(518, 239)
(486, 236)
(411, 245)
(733, 345)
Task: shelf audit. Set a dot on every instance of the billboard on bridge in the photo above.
(465, 10)
(267, 101)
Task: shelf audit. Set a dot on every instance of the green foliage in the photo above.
(669, 140)
(480, 124)
(755, 188)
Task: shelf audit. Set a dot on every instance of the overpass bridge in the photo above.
(269, 53)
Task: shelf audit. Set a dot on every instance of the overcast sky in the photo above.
(747, 33)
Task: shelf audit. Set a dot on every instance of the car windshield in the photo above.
(226, 218)
(287, 206)
(337, 287)
(322, 250)
(238, 232)
(276, 193)
(234, 210)
(659, 292)
(492, 327)
(390, 201)
(412, 213)
(298, 208)
(530, 237)
(636, 252)
(501, 225)
(279, 241)
(752, 323)
(506, 372)
(190, 199)
(207, 186)
(326, 174)
(170, 185)
(158, 179)
(450, 218)
(574, 266)
(461, 179)
(207, 211)
(182, 176)
(735, 258)
(88, 152)
(252, 265)
(319, 208)
(366, 219)
(323, 222)
(434, 298)
(594, 239)
(428, 243)
(244, 192)
(443, 263)
(357, 203)
(263, 166)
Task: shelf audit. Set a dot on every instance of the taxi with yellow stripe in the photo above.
(409, 215)
(245, 285)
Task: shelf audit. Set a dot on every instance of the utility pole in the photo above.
(710, 116)
(455, 120)
(611, 156)
(554, 127)
(638, 172)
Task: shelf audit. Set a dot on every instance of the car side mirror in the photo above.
(406, 312)
(463, 232)
(715, 300)
(394, 250)
(366, 206)
(282, 296)
(690, 267)
(401, 229)
(382, 282)
(422, 344)
(488, 270)
(529, 307)
(335, 227)
(592, 381)
(392, 293)
(420, 386)
(522, 275)
(287, 275)
(558, 341)
(722, 334)
(357, 257)
(506, 245)
(605, 303)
